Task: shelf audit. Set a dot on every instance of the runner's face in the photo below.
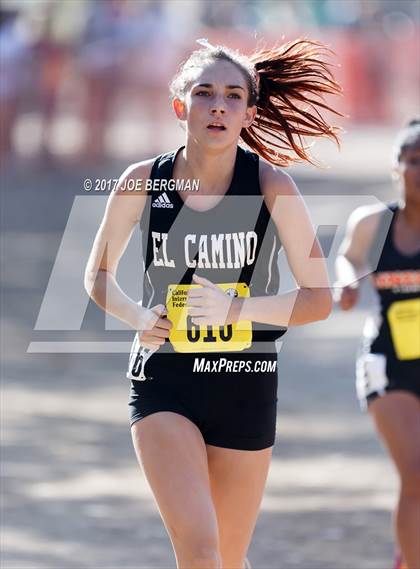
(216, 105)
(409, 171)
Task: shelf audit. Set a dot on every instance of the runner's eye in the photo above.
(200, 93)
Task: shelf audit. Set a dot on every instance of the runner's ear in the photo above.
(179, 108)
(250, 116)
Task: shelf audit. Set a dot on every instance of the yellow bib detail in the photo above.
(404, 322)
(188, 337)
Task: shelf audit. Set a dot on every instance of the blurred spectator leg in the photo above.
(98, 105)
(53, 67)
(8, 114)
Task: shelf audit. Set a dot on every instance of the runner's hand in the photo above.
(208, 305)
(154, 326)
(347, 297)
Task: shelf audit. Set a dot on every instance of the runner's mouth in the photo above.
(219, 127)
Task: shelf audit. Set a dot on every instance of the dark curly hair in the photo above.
(408, 137)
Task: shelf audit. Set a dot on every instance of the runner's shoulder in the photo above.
(366, 218)
(137, 172)
(131, 184)
(275, 181)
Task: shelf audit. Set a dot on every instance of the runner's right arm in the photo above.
(352, 261)
(123, 211)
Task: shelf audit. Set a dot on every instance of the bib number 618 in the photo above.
(194, 332)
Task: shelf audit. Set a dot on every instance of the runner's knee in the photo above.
(410, 480)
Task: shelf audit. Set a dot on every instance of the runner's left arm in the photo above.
(312, 300)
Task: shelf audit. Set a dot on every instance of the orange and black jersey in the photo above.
(394, 329)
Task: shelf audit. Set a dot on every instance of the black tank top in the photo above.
(396, 280)
(235, 241)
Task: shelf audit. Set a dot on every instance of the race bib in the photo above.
(188, 337)
(404, 322)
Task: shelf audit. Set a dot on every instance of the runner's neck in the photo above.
(215, 171)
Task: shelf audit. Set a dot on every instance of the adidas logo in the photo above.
(162, 201)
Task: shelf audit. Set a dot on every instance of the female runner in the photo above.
(385, 241)
(203, 420)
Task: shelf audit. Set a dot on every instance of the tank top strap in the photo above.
(162, 166)
(161, 169)
(383, 236)
(247, 181)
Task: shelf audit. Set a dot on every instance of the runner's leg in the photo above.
(237, 479)
(397, 419)
(172, 453)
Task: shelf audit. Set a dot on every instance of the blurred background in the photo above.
(87, 81)
(84, 92)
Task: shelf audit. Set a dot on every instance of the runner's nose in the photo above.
(218, 106)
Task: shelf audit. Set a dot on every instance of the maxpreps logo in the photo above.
(162, 201)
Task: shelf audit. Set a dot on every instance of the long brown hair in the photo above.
(288, 85)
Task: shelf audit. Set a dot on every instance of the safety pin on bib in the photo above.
(138, 368)
(143, 355)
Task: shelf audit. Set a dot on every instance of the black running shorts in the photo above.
(377, 375)
(231, 398)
